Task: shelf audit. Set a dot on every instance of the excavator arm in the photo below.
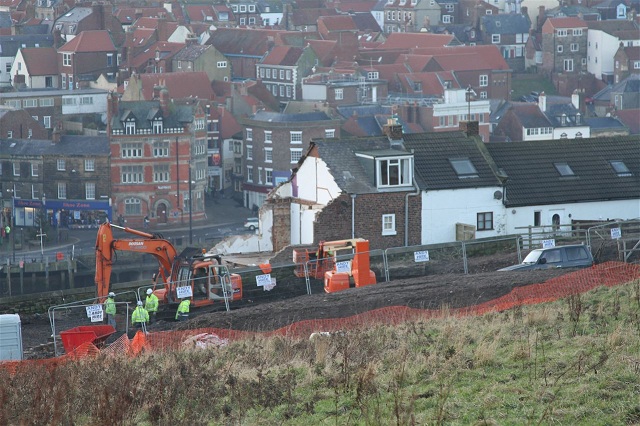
(107, 245)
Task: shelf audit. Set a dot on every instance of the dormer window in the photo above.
(130, 126)
(464, 168)
(393, 172)
(157, 125)
(578, 118)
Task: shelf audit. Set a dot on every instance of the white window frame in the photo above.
(484, 80)
(329, 133)
(249, 134)
(574, 47)
(62, 191)
(222, 64)
(295, 137)
(296, 155)
(495, 38)
(249, 150)
(268, 136)
(403, 166)
(338, 94)
(268, 176)
(89, 165)
(34, 169)
(389, 224)
(568, 65)
(90, 190)
(60, 165)
(250, 174)
(46, 121)
(66, 59)
(268, 155)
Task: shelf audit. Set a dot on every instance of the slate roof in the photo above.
(432, 152)
(604, 123)
(68, 146)
(506, 23)
(276, 117)
(9, 45)
(142, 110)
(190, 52)
(529, 115)
(630, 84)
(611, 26)
(534, 180)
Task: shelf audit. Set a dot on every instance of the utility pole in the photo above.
(190, 208)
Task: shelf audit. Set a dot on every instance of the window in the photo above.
(131, 150)
(484, 80)
(249, 134)
(388, 224)
(243, 8)
(89, 165)
(90, 190)
(130, 127)
(16, 169)
(620, 168)
(450, 7)
(446, 19)
(268, 72)
(29, 133)
(577, 31)
(261, 72)
(267, 136)
(62, 191)
(564, 169)
(223, 64)
(483, 95)
(161, 149)
(34, 169)
(132, 207)
(268, 176)
(296, 154)
(296, 137)
(485, 221)
(568, 64)
(288, 74)
(157, 125)
(560, 48)
(373, 75)
(330, 133)
(394, 172)
(636, 65)
(339, 94)
(536, 218)
(14, 103)
(161, 173)
(109, 59)
(495, 38)
(268, 155)
(281, 74)
(281, 90)
(574, 47)
(60, 164)
(561, 33)
(46, 121)
(9, 134)
(30, 103)
(7, 67)
(249, 152)
(131, 174)
(463, 168)
(66, 59)
(252, 8)
(179, 64)
(250, 174)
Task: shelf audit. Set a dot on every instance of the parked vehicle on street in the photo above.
(252, 223)
(572, 256)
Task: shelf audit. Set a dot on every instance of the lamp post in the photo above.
(42, 217)
(190, 208)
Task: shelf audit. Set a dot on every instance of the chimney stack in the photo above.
(55, 135)
(392, 129)
(542, 102)
(470, 128)
(164, 101)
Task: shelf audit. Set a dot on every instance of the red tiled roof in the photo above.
(417, 63)
(283, 55)
(388, 71)
(243, 41)
(139, 37)
(145, 22)
(41, 60)
(196, 85)
(633, 52)
(416, 40)
(228, 124)
(130, 14)
(323, 49)
(90, 41)
(353, 5)
(486, 55)
(201, 13)
(568, 22)
(432, 82)
(337, 23)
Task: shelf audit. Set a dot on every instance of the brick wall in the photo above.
(334, 222)
(281, 230)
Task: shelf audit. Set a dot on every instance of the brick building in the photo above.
(159, 159)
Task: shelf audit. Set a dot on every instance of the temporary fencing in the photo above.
(580, 281)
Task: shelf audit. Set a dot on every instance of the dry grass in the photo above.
(574, 361)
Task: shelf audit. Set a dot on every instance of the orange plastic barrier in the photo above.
(608, 274)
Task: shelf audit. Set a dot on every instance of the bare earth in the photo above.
(428, 292)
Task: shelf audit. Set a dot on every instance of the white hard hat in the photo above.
(149, 291)
(139, 302)
(112, 294)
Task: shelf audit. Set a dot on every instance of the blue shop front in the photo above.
(72, 214)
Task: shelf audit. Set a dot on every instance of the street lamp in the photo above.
(190, 208)
(42, 217)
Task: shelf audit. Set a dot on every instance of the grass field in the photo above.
(523, 84)
(571, 362)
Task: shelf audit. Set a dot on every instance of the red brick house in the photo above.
(85, 58)
(157, 148)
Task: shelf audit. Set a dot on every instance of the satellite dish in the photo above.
(497, 195)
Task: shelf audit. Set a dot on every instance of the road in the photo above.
(224, 218)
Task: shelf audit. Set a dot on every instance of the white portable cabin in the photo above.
(10, 338)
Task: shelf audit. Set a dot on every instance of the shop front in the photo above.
(72, 214)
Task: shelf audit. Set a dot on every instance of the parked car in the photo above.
(573, 256)
(251, 223)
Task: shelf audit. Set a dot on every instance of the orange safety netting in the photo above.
(608, 274)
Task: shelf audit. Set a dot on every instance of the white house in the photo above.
(603, 40)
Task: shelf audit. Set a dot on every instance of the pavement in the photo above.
(225, 216)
